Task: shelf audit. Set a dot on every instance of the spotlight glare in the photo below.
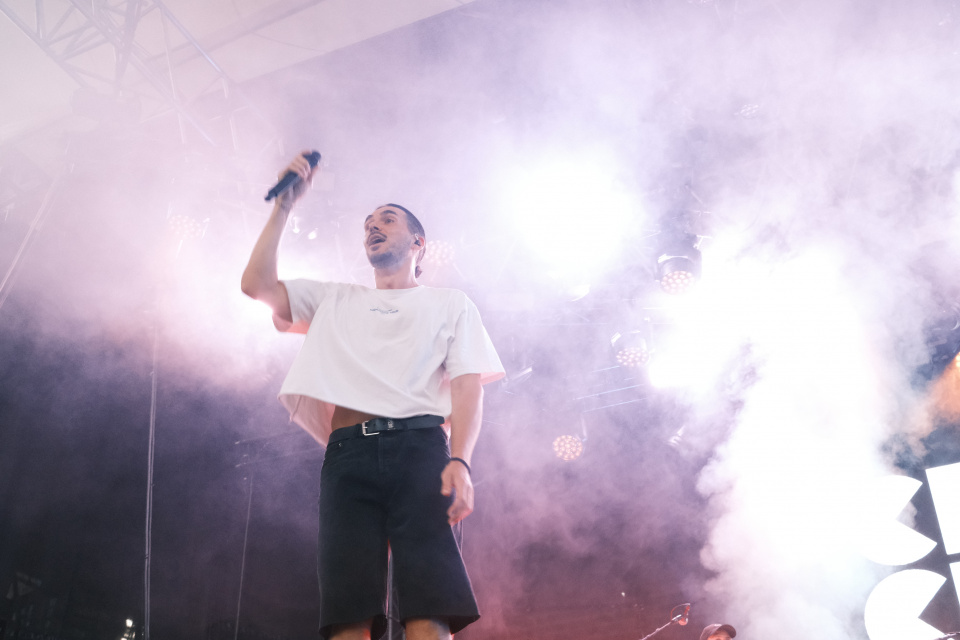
(570, 215)
(578, 291)
(255, 312)
(568, 448)
(666, 373)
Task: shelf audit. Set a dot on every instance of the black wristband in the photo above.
(464, 463)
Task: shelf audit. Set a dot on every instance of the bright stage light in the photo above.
(253, 313)
(683, 357)
(440, 253)
(677, 281)
(630, 349)
(184, 227)
(678, 266)
(568, 448)
(572, 216)
(577, 291)
(632, 356)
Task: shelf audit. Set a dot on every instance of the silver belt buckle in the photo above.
(363, 428)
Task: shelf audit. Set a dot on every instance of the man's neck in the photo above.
(401, 278)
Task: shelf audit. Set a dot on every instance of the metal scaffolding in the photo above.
(135, 51)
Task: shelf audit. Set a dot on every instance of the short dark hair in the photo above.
(412, 223)
(414, 226)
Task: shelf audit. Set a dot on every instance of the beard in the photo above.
(386, 258)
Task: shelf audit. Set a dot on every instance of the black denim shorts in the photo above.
(384, 490)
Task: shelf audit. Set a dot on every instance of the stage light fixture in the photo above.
(679, 264)
(630, 348)
(440, 253)
(185, 227)
(749, 111)
(568, 448)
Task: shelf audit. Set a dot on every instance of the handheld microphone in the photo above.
(686, 612)
(290, 178)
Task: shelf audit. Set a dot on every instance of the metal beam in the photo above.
(112, 46)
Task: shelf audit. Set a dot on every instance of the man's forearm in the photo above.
(260, 279)
(260, 276)
(466, 396)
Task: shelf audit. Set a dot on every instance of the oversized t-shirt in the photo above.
(386, 352)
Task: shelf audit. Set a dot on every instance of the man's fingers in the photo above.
(301, 169)
(308, 171)
(456, 482)
(462, 504)
(458, 511)
(445, 485)
(300, 166)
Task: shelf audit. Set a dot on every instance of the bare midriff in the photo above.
(343, 417)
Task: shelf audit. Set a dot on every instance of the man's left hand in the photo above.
(456, 481)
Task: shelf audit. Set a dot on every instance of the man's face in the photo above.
(719, 635)
(387, 239)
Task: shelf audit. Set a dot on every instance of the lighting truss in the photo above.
(129, 48)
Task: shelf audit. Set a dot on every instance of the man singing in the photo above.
(379, 372)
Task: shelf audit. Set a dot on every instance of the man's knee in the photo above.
(357, 631)
(427, 629)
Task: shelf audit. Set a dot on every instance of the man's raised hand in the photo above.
(299, 166)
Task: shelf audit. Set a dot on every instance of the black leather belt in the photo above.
(376, 426)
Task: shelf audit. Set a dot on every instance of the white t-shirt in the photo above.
(387, 352)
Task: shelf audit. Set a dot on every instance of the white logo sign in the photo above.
(894, 606)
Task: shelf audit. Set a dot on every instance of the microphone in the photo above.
(290, 178)
(686, 612)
